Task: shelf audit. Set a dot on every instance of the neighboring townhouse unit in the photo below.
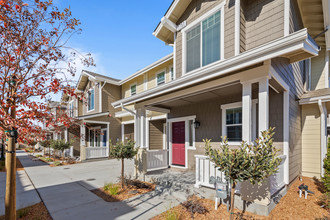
(239, 67)
(98, 125)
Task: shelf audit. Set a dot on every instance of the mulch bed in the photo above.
(50, 163)
(19, 166)
(37, 211)
(124, 193)
(290, 207)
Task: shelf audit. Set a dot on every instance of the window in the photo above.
(172, 74)
(94, 137)
(91, 100)
(104, 137)
(234, 124)
(160, 78)
(203, 42)
(91, 138)
(71, 108)
(133, 89)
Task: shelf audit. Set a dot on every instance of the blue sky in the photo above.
(119, 33)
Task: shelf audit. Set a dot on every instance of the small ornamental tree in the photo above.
(123, 151)
(60, 145)
(325, 199)
(250, 162)
(45, 144)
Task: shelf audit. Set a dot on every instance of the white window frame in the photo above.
(192, 25)
(187, 147)
(130, 89)
(160, 72)
(224, 109)
(94, 129)
(89, 110)
(71, 111)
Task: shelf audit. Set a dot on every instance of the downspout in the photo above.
(323, 134)
(128, 110)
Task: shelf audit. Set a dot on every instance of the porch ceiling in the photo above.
(224, 92)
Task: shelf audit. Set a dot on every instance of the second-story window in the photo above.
(71, 109)
(160, 78)
(91, 100)
(203, 42)
(133, 89)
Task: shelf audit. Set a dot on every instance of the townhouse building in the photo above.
(237, 68)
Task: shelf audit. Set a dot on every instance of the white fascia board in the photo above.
(169, 24)
(122, 114)
(146, 69)
(314, 100)
(280, 47)
(93, 115)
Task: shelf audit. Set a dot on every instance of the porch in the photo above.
(238, 106)
(94, 142)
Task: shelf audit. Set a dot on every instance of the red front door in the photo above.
(178, 143)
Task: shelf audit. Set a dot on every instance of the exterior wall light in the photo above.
(197, 124)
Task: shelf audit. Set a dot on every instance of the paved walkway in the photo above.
(66, 192)
(26, 195)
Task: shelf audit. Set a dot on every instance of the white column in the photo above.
(286, 133)
(108, 136)
(66, 135)
(246, 111)
(140, 128)
(286, 17)
(326, 69)
(263, 104)
(122, 132)
(323, 119)
(82, 135)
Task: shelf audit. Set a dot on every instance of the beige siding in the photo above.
(128, 132)
(156, 134)
(311, 150)
(264, 21)
(242, 32)
(318, 71)
(229, 38)
(149, 76)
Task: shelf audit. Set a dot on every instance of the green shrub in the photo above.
(326, 166)
(172, 214)
(111, 189)
(39, 155)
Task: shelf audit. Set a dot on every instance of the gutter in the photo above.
(296, 41)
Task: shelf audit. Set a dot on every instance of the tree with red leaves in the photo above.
(33, 66)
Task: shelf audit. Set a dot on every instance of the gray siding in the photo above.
(293, 76)
(264, 21)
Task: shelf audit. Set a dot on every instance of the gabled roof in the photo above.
(88, 75)
(174, 12)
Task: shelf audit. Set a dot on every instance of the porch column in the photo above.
(108, 139)
(246, 111)
(82, 142)
(263, 104)
(140, 139)
(286, 134)
(122, 132)
(66, 135)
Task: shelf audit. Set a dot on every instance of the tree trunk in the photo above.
(232, 199)
(122, 173)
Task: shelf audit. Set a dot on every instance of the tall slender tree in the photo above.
(33, 65)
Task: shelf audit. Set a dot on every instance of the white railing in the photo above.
(69, 152)
(204, 170)
(277, 180)
(157, 159)
(96, 152)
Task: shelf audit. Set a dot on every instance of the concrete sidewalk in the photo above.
(66, 192)
(26, 195)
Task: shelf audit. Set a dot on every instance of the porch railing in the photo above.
(96, 152)
(157, 159)
(277, 180)
(205, 169)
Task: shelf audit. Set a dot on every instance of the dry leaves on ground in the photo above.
(37, 211)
